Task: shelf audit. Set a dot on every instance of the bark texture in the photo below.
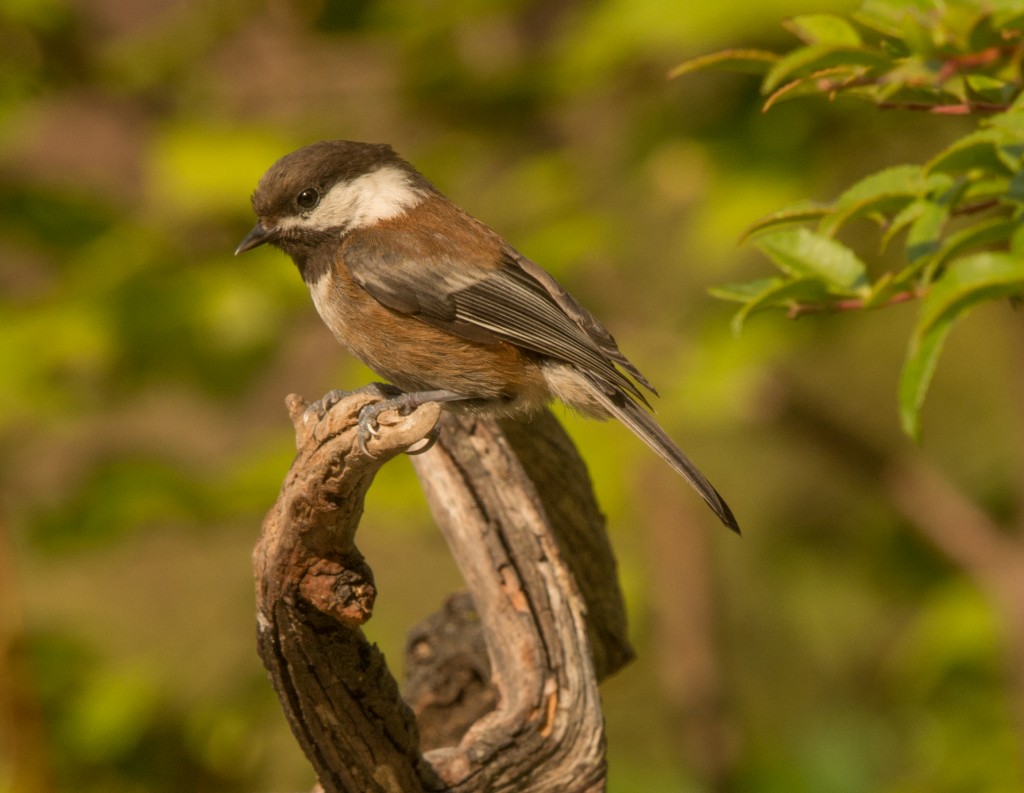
(502, 686)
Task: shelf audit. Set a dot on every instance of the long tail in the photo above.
(646, 428)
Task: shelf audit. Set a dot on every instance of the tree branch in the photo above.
(516, 507)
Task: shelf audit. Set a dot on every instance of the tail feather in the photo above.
(646, 428)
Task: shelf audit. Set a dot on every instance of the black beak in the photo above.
(258, 236)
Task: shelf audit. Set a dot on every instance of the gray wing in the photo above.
(516, 302)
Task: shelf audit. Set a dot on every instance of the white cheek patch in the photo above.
(366, 200)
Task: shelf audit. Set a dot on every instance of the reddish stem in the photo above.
(851, 304)
(949, 110)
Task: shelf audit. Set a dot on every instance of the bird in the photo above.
(439, 304)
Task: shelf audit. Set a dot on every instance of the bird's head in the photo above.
(326, 189)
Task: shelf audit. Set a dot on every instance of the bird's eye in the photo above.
(308, 198)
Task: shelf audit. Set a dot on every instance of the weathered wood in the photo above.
(448, 673)
(547, 731)
(516, 508)
(314, 590)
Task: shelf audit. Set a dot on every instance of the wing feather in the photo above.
(491, 304)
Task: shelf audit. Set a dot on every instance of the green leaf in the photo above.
(802, 253)
(815, 57)
(883, 17)
(796, 213)
(981, 190)
(967, 282)
(1017, 240)
(741, 293)
(925, 235)
(889, 190)
(898, 180)
(976, 151)
(905, 217)
(1010, 154)
(990, 231)
(1008, 16)
(916, 376)
(733, 60)
(823, 29)
(983, 34)
(956, 87)
(990, 89)
(781, 292)
(1015, 190)
(821, 82)
(919, 31)
(1010, 122)
(881, 290)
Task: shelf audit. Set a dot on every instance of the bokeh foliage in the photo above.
(143, 371)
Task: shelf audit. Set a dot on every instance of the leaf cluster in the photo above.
(957, 216)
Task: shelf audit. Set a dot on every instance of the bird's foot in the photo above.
(404, 403)
(317, 410)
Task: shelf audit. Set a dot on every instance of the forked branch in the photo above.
(516, 507)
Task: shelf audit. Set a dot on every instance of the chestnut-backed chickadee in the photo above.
(438, 303)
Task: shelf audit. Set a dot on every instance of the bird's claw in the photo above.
(426, 443)
(322, 406)
(368, 426)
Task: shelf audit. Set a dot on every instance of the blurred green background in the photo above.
(143, 435)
